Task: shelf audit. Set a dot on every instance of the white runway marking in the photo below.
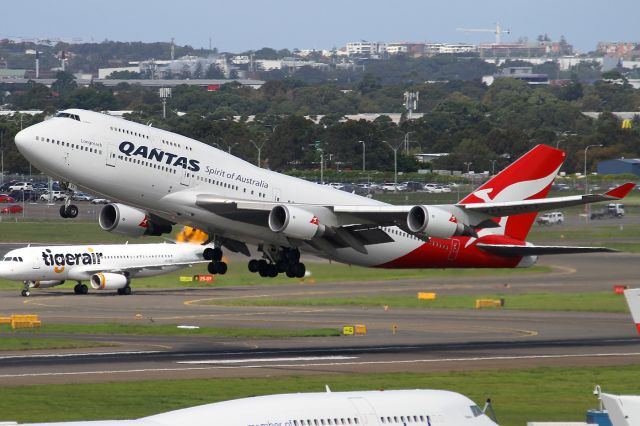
(240, 361)
(327, 364)
(78, 354)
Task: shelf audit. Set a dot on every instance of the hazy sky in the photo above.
(251, 24)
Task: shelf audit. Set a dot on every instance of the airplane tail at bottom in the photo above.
(633, 300)
(528, 178)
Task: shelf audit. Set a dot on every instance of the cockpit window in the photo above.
(67, 115)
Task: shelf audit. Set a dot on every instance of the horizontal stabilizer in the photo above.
(515, 250)
(633, 300)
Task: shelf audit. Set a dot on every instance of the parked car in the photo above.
(5, 198)
(21, 186)
(13, 208)
(22, 196)
(444, 188)
(413, 186)
(433, 188)
(81, 196)
(55, 196)
(551, 218)
(100, 201)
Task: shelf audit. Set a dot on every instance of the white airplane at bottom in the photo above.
(106, 267)
(395, 407)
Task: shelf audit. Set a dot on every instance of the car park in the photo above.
(11, 209)
(24, 196)
(433, 188)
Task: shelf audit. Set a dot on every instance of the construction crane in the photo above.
(498, 31)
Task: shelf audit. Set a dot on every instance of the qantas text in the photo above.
(129, 149)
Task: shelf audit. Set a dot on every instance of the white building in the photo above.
(365, 48)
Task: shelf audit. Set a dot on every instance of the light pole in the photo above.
(231, 146)
(321, 166)
(586, 178)
(493, 167)
(395, 162)
(406, 142)
(364, 151)
(468, 164)
(258, 147)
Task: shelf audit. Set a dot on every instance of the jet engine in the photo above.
(130, 221)
(295, 222)
(432, 221)
(45, 284)
(108, 281)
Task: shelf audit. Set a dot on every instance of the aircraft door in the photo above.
(277, 194)
(112, 155)
(187, 177)
(454, 249)
(35, 263)
(366, 411)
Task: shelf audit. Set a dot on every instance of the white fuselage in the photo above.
(79, 262)
(163, 173)
(403, 407)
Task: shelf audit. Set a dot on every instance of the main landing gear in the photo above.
(80, 288)
(124, 291)
(217, 266)
(276, 261)
(68, 210)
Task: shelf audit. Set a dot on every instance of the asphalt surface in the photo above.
(397, 340)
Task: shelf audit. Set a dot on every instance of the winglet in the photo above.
(633, 300)
(621, 191)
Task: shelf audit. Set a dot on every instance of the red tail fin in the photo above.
(529, 177)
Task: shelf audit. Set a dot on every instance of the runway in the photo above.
(397, 340)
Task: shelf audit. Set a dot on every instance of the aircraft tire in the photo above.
(120, 293)
(273, 271)
(263, 269)
(282, 266)
(84, 289)
(63, 212)
(71, 211)
(26, 293)
(216, 254)
(211, 267)
(221, 267)
(76, 289)
(208, 253)
(126, 290)
(253, 266)
(298, 270)
(293, 256)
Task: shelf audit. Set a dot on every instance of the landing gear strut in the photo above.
(80, 289)
(25, 291)
(277, 261)
(217, 266)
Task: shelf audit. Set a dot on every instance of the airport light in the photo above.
(395, 162)
(364, 151)
(258, 147)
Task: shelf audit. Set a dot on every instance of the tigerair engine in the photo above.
(108, 281)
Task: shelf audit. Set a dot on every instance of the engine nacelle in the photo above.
(295, 222)
(45, 284)
(129, 221)
(108, 281)
(434, 222)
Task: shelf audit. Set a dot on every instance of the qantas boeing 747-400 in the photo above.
(158, 179)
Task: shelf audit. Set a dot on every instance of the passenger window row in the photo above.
(129, 132)
(326, 422)
(145, 163)
(405, 419)
(227, 185)
(69, 145)
(188, 148)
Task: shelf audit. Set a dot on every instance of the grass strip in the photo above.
(12, 343)
(577, 302)
(173, 330)
(518, 395)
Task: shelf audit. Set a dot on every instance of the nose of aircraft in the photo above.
(22, 138)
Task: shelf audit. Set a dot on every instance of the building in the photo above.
(510, 50)
(365, 48)
(619, 166)
(518, 73)
(621, 49)
(449, 48)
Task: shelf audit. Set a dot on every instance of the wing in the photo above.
(133, 269)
